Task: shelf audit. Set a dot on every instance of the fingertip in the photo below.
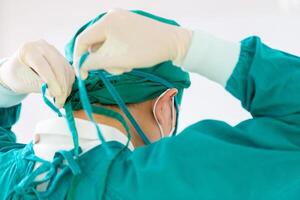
(81, 46)
(116, 71)
(60, 101)
(59, 105)
(55, 89)
(127, 70)
(84, 74)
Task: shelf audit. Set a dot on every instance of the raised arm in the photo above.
(23, 73)
(211, 159)
(265, 80)
(9, 114)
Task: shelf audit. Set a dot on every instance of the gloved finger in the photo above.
(101, 59)
(95, 47)
(60, 101)
(57, 69)
(95, 34)
(91, 63)
(94, 61)
(117, 71)
(38, 84)
(60, 67)
(41, 66)
(65, 74)
(69, 74)
(84, 74)
(71, 80)
(31, 80)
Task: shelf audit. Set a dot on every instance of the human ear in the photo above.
(163, 110)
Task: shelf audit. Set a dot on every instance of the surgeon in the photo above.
(257, 159)
(41, 162)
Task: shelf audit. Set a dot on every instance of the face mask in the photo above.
(162, 134)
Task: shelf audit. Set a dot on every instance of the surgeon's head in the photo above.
(148, 93)
(156, 117)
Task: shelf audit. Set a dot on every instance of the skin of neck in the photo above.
(141, 112)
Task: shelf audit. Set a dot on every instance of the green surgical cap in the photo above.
(131, 88)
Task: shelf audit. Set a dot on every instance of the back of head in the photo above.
(137, 86)
(131, 87)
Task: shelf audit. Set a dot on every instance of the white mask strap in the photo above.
(155, 117)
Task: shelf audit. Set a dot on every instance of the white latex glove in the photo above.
(36, 63)
(122, 40)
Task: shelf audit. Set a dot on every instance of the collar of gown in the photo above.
(53, 135)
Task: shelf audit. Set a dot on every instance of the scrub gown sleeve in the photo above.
(12, 165)
(10, 106)
(8, 117)
(211, 57)
(267, 82)
(9, 98)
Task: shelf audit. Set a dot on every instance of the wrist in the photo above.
(211, 57)
(12, 75)
(2, 62)
(8, 97)
(182, 41)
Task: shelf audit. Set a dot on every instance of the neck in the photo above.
(53, 135)
(101, 119)
(141, 112)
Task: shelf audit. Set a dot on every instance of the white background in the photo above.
(277, 22)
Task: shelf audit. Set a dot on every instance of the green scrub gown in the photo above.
(257, 159)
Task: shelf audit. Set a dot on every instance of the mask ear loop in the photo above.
(162, 134)
(122, 106)
(174, 120)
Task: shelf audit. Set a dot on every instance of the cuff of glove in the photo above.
(8, 97)
(211, 57)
